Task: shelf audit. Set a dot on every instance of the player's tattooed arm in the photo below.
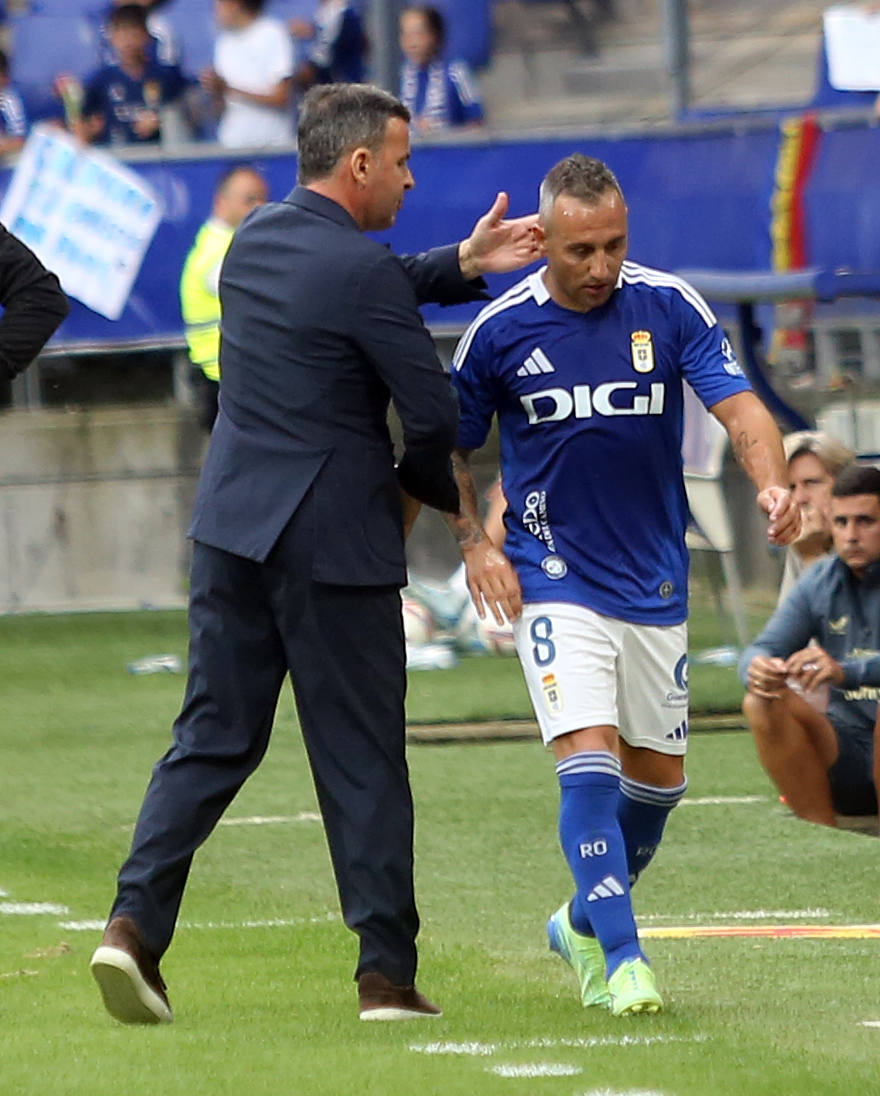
(757, 446)
(492, 581)
(465, 525)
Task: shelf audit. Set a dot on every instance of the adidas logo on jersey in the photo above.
(537, 362)
(610, 887)
(679, 734)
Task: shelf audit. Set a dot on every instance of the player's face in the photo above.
(417, 41)
(585, 246)
(387, 178)
(244, 191)
(855, 525)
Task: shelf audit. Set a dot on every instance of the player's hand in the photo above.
(495, 245)
(492, 581)
(783, 513)
(812, 667)
(766, 677)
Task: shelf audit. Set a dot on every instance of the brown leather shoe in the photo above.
(380, 999)
(128, 976)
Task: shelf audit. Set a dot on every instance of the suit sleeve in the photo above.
(437, 279)
(391, 334)
(33, 302)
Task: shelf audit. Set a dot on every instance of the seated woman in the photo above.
(438, 93)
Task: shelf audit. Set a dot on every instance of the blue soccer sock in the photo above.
(642, 813)
(591, 839)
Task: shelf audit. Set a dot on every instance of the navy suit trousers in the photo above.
(251, 623)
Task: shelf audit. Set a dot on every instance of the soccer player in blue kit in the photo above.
(583, 363)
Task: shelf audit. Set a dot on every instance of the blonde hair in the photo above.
(833, 454)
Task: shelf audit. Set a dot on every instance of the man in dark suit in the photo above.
(299, 531)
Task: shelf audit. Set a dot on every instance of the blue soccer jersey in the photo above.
(590, 416)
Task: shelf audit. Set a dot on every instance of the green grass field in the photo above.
(260, 972)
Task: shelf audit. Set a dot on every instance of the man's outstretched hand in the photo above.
(496, 246)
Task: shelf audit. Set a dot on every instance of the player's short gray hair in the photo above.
(580, 176)
(338, 118)
(833, 454)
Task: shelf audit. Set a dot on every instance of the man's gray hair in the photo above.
(832, 454)
(338, 118)
(580, 176)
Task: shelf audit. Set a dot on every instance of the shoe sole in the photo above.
(639, 1008)
(398, 1014)
(127, 996)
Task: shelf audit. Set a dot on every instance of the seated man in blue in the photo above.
(122, 100)
(438, 93)
(337, 47)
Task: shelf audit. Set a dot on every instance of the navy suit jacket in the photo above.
(320, 330)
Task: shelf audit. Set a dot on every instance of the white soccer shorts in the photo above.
(583, 669)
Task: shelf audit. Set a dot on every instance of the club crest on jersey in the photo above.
(642, 350)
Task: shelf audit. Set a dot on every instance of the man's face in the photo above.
(387, 178)
(242, 192)
(228, 14)
(855, 526)
(585, 246)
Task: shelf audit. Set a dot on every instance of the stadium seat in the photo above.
(703, 448)
(45, 46)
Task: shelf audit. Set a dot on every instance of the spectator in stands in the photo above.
(13, 120)
(122, 101)
(825, 764)
(337, 48)
(814, 460)
(239, 190)
(252, 76)
(439, 93)
(163, 45)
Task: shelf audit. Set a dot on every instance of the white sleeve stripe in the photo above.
(517, 294)
(461, 78)
(636, 274)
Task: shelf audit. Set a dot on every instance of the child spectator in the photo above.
(13, 120)
(251, 78)
(337, 52)
(163, 45)
(439, 93)
(121, 101)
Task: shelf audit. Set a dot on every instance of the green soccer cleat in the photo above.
(583, 954)
(633, 989)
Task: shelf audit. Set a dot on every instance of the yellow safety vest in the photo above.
(199, 303)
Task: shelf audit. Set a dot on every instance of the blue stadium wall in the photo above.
(698, 198)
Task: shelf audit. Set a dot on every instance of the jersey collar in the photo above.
(542, 294)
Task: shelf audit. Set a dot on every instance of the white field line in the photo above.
(723, 800)
(741, 915)
(32, 909)
(541, 1069)
(269, 923)
(596, 1042)
(3, 893)
(271, 820)
(622, 1092)
(869, 1023)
